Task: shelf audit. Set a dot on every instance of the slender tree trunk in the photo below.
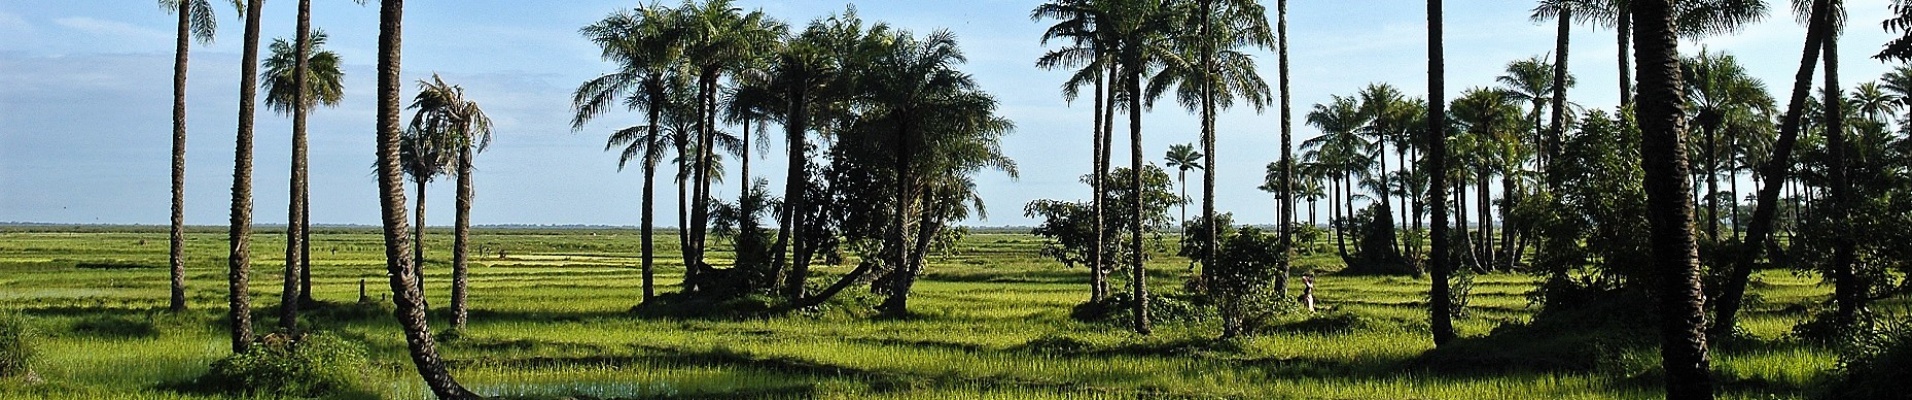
(1136, 265)
(305, 254)
(1287, 211)
(1712, 180)
(1732, 186)
(1485, 201)
(239, 259)
(1562, 37)
(647, 227)
(1098, 281)
(1107, 158)
(176, 252)
(461, 237)
(295, 210)
(1339, 221)
(1212, 231)
(684, 165)
(743, 176)
(1847, 292)
(1623, 31)
(1182, 177)
(409, 303)
(898, 302)
(418, 245)
(1440, 320)
(1777, 170)
(795, 198)
(1662, 119)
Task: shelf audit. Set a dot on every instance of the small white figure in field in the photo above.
(1307, 291)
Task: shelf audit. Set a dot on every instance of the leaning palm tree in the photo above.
(239, 236)
(1776, 169)
(1181, 158)
(307, 76)
(196, 21)
(1661, 114)
(443, 111)
(409, 302)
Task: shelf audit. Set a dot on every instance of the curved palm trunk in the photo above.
(1287, 209)
(295, 210)
(1662, 119)
(239, 236)
(176, 252)
(1440, 320)
(461, 239)
(1777, 170)
(1140, 279)
(408, 301)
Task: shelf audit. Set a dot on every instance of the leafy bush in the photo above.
(16, 347)
(1877, 364)
(291, 365)
(1119, 309)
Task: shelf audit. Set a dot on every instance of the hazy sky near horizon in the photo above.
(85, 100)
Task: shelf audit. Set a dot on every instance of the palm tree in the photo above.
(409, 302)
(1529, 80)
(1090, 52)
(720, 38)
(1143, 39)
(1341, 152)
(1287, 211)
(1899, 83)
(1388, 117)
(644, 43)
(1872, 101)
(1490, 117)
(1661, 115)
(1776, 169)
(196, 21)
(1721, 92)
(1697, 19)
(444, 112)
(1846, 289)
(1563, 12)
(1440, 314)
(239, 236)
(1209, 70)
(307, 76)
(1183, 157)
(423, 155)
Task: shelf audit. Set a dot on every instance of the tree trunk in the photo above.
(1339, 221)
(647, 227)
(418, 245)
(1485, 201)
(1287, 211)
(897, 304)
(1847, 292)
(1623, 31)
(1440, 321)
(1777, 168)
(1182, 177)
(1562, 37)
(239, 236)
(1210, 237)
(295, 209)
(1107, 157)
(409, 303)
(461, 237)
(305, 253)
(1712, 180)
(795, 184)
(1662, 120)
(1140, 279)
(176, 252)
(1098, 285)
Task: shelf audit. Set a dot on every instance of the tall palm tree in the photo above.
(409, 302)
(239, 236)
(1846, 289)
(1661, 114)
(1209, 72)
(1564, 13)
(1873, 102)
(1143, 37)
(721, 38)
(1089, 51)
(1388, 117)
(196, 21)
(1530, 80)
(1776, 169)
(1697, 19)
(1898, 82)
(1181, 158)
(444, 112)
(1341, 151)
(1490, 117)
(1287, 211)
(1440, 314)
(644, 43)
(309, 77)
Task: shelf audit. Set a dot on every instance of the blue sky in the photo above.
(85, 100)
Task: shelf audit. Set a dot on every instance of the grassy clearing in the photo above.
(551, 320)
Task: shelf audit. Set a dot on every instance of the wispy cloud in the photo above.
(109, 29)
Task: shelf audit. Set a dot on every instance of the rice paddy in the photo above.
(551, 319)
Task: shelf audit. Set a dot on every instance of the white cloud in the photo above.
(110, 29)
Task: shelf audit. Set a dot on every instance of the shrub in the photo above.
(1118, 309)
(291, 365)
(16, 347)
(1877, 363)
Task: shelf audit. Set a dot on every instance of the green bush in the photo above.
(1119, 308)
(16, 346)
(282, 365)
(1877, 364)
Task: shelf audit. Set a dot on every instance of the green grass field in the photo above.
(551, 320)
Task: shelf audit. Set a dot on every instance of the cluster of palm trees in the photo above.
(299, 76)
(1133, 53)
(891, 108)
